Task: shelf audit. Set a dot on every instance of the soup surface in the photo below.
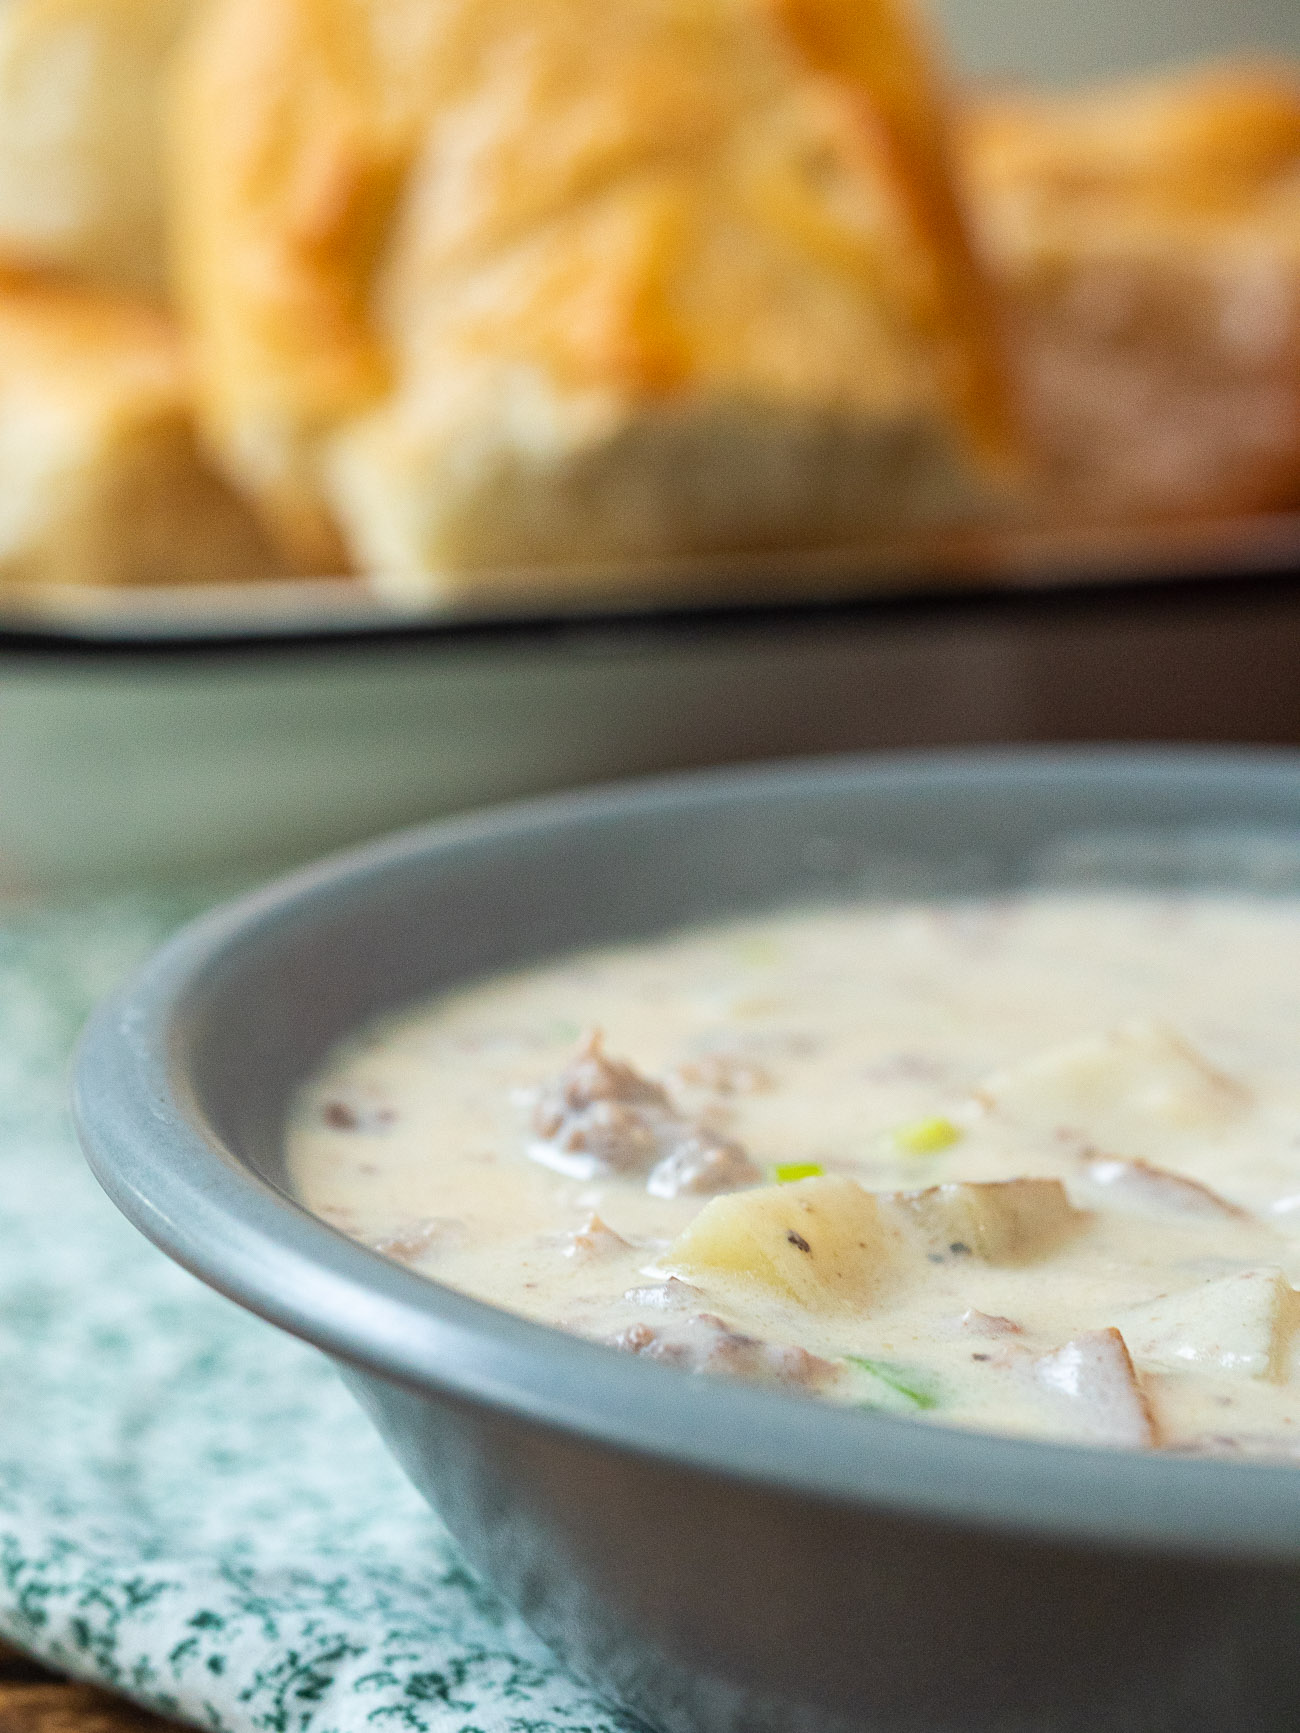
(1029, 1165)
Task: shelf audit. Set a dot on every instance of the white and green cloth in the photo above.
(192, 1510)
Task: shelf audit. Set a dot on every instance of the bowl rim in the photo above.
(150, 1146)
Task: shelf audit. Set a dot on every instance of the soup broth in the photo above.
(1029, 1165)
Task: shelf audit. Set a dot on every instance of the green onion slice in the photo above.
(787, 1172)
(926, 1136)
(901, 1381)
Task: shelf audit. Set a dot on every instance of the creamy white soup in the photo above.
(1030, 1165)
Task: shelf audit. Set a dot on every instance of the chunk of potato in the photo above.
(818, 1242)
(1008, 1221)
(1127, 1091)
(1093, 1380)
(1240, 1323)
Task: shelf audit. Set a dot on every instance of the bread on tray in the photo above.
(1145, 237)
(100, 478)
(485, 296)
(483, 285)
(81, 163)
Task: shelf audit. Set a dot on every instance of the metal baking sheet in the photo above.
(966, 566)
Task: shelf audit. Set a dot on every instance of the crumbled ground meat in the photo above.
(411, 1242)
(702, 1162)
(600, 1115)
(594, 1239)
(357, 1115)
(592, 1077)
(705, 1343)
(987, 1324)
(637, 1338)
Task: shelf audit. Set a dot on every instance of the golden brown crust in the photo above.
(1146, 236)
(281, 184)
(100, 477)
(877, 52)
(80, 115)
(476, 225)
(1200, 145)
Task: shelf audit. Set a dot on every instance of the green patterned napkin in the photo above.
(192, 1511)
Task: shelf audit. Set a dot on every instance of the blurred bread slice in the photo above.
(488, 284)
(81, 85)
(1146, 236)
(101, 481)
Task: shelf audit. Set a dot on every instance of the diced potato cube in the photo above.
(1126, 1091)
(1002, 1221)
(1239, 1323)
(818, 1242)
(1093, 1377)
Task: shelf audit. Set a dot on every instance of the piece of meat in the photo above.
(1094, 1376)
(987, 1324)
(1145, 1186)
(593, 1076)
(406, 1244)
(637, 1339)
(600, 1115)
(706, 1343)
(357, 1114)
(594, 1239)
(702, 1162)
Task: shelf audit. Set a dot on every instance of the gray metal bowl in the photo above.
(718, 1557)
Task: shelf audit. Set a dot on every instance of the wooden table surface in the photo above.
(34, 1700)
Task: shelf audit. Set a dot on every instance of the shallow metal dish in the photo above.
(724, 1559)
(1012, 561)
(132, 751)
